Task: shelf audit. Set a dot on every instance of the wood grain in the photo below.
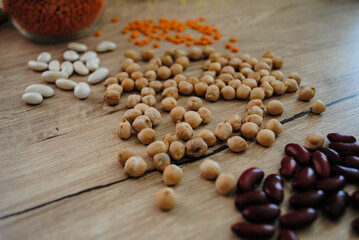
(59, 177)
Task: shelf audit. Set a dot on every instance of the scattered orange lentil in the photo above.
(202, 19)
(156, 45)
(228, 45)
(235, 49)
(233, 39)
(98, 34)
(188, 44)
(114, 20)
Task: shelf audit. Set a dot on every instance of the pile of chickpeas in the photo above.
(225, 75)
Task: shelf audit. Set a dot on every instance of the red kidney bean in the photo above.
(285, 234)
(288, 167)
(298, 152)
(333, 156)
(321, 164)
(350, 174)
(331, 184)
(305, 179)
(273, 188)
(336, 203)
(264, 213)
(253, 231)
(298, 219)
(250, 198)
(352, 161)
(355, 198)
(307, 199)
(345, 148)
(341, 137)
(355, 225)
(249, 178)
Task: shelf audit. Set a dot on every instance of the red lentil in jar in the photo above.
(54, 20)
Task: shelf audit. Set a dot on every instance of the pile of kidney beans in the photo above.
(318, 176)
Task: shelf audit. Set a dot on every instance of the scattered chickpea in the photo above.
(164, 72)
(205, 114)
(177, 150)
(275, 107)
(184, 131)
(172, 175)
(142, 107)
(314, 141)
(255, 102)
(154, 115)
(235, 121)
(156, 85)
(124, 129)
(249, 130)
(168, 103)
(306, 93)
(317, 107)
(150, 75)
(263, 72)
(268, 79)
(184, 61)
(193, 118)
(253, 118)
(195, 53)
(200, 88)
(268, 89)
(277, 74)
(225, 183)
(179, 53)
(180, 77)
(176, 69)
(170, 92)
(151, 67)
(255, 75)
(193, 80)
(214, 56)
(147, 91)
(228, 93)
(244, 56)
(295, 76)
(235, 83)
(156, 60)
(156, 147)
(133, 67)
(131, 54)
(252, 61)
(279, 87)
(223, 61)
(131, 114)
(291, 84)
(220, 84)
(135, 166)
(235, 62)
(194, 103)
(141, 83)
(246, 71)
(177, 114)
(109, 81)
(243, 91)
(209, 169)
(208, 79)
(133, 100)
(170, 137)
(121, 76)
(275, 126)
(223, 131)
(245, 65)
(257, 93)
(128, 85)
(255, 110)
(149, 100)
(146, 136)
(196, 147)
(212, 93)
(228, 69)
(123, 154)
(210, 73)
(112, 97)
(237, 144)
(252, 83)
(215, 66)
(268, 61)
(268, 54)
(161, 161)
(262, 65)
(167, 60)
(207, 136)
(125, 63)
(141, 122)
(146, 54)
(265, 137)
(165, 199)
(136, 75)
(185, 88)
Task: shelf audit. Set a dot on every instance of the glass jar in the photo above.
(54, 20)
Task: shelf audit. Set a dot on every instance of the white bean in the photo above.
(98, 75)
(106, 46)
(65, 84)
(78, 47)
(32, 98)
(82, 90)
(67, 68)
(42, 89)
(44, 57)
(80, 68)
(87, 55)
(54, 65)
(93, 64)
(37, 66)
(52, 76)
(70, 55)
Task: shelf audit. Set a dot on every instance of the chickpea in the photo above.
(214, 56)
(184, 61)
(196, 147)
(147, 91)
(131, 114)
(185, 88)
(225, 183)
(279, 87)
(125, 63)
(228, 93)
(165, 199)
(150, 75)
(164, 72)
(235, 83)
(128, 85)
(206, 64)
(262, 65)
(265, 137)
(205, 114)
(263, 72)
(275, 126)
(200, 88)
(156, 85)
(207, 136)
(268, 79)
(235, 121)
(141, 83)
(154, 115)
(295, 76)
(210, 73)
(121, 76)
(268, 54)
(167, 60)
(176, 69)
(219, 83)
(179, 53)
(209, 169)
(161, 161)
(314, 141)
(180, 77)
(151, 67)
(147, 54)
(245, 65)
(243, 91)
(170, 137)
(246, 71)
(156, 60)
(253, 118)
(184, 131)
(223, 131)
(208, 79)
(156, 147)
(255, 102)
(275, 107)
(149, 100)
(192, 118)
(135, 166)
(193, 80)
(133, 100)
(252, 83)
(235, 62)
(109, 81)
(215, 66)
(172, 175)
(194, 103)
(277, 74)
(306, 93)
(112, 97)
(177, 114)
(177, 150)
(249, 130)
(212, 93)
(131, 54)
(124, 129)
(228, 69)
(146, 136)
(244, 56)
(318, 107)
(252, 61)
(257, 93)
(123, 154)
(133, 67)
(195, 53)
(268, 61)
(207, 51)
(223, 61)
(255, 110)
(237, 144)
(140, 123)
(142, 107)
(168, 103)
(136, 75)
(170, 92)
(169, 83)
(291, 84)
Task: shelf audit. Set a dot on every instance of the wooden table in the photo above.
(59, 177)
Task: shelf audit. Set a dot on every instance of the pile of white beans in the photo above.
(60, 73)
